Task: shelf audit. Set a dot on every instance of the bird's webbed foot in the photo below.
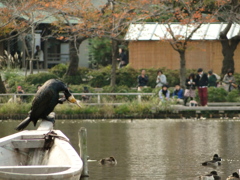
(61, 100)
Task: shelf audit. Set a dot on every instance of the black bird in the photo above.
(45, 100)
(108, 161)
(216, 157)
(212, 175)
(214, 162)
(234, 176)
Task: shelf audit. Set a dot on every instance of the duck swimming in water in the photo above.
(45, 100)
(234, 176)
(216, 157)
(108, 161)
(214, 162)
(211, 176)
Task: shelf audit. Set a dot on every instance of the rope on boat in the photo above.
(52, 134)
(49, 139)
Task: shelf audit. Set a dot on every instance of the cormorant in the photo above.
(45, 100)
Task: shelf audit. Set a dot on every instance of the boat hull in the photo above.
(23, 156)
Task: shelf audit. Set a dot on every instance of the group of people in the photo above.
(200, 81)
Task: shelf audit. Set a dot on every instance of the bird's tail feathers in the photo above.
(23, 124)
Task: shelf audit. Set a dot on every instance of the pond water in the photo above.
(153, 149)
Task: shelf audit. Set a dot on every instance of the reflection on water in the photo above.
(153, 149)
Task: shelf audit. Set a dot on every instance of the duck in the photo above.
(214, 162)
(211, 176)
(234, 176)
(108, 161)
(216, 157)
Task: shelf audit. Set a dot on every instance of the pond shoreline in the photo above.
(159, 115)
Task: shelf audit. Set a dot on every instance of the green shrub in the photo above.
(116, 89)
(233, 96)
(80, 77)
(100, 77)
(17, 81)
(15, 108)
(73, 80)
(216, 94)
(40, 78)
(59, 70)
(142, 108)
(127, 76)
(80, 88)
(122, 109)
(237, 77)
(101, 51)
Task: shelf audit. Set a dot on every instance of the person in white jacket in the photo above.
(161, 79)
(39, 56)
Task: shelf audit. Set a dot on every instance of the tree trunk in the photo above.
(228, 61)
(228, 48)
(74, 59)
(182, 72)
(114, 61)
(2, 87)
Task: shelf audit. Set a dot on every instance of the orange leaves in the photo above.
(47, 5)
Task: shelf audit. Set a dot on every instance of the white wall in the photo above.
(84, 54)
(84, 48)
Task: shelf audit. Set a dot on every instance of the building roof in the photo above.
(45, 17)
(156, 31)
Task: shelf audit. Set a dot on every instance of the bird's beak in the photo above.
(73, 100)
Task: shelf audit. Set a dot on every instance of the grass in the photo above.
(126, 109)
(15, 108)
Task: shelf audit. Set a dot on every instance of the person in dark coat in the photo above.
(212, 79)
(123, 58)
(202, 84)
(142, 80)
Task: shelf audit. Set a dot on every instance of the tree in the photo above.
(191, 15)
(117, 16)
(107, 21)
(232, 9)
(100, 51)
(75, 23)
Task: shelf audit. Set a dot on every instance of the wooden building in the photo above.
(149, 46)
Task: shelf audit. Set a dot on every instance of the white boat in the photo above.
(39, 154)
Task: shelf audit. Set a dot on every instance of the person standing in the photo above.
(161, 79)
(39, 56)
(229, 81)
(212, 79)
(142, 80)
(190, 88)
(123, 58)
(202, 84)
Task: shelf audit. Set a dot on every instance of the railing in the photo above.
(57, 58)
(139, 96)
